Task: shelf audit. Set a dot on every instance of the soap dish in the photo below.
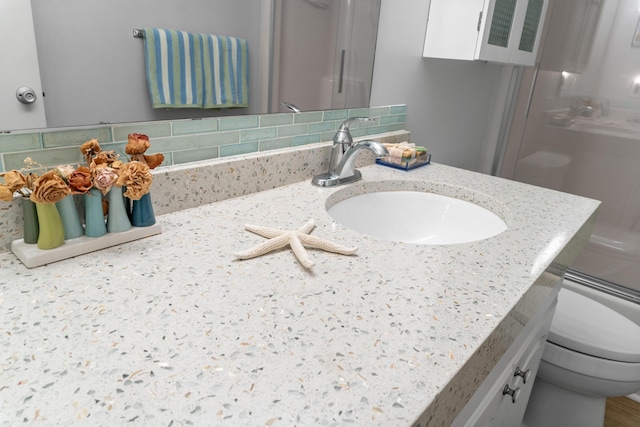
(406, 165)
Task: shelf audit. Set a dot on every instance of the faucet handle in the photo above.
(345, 125)
(343, 136)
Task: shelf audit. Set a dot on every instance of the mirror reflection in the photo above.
(313, 54)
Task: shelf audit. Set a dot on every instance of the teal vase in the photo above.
(30, 227)
(94, 225)
(117, 219)
(70, 218)
(51, 233)
(142, 212)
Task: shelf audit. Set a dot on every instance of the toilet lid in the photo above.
(586, 326)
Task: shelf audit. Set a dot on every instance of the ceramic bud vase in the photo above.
(70, 218)
(94, 225)
(117, 219)
(51, 233)
(30, 227)
(142, 212)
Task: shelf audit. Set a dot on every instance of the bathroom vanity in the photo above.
(172, 330)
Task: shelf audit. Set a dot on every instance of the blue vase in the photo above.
(94, 225)
(70, 218)
(142, 212)
(117, 219)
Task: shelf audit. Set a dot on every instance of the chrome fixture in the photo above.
(290, 106)
(343, 156)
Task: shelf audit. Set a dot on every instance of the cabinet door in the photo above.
(19, 67)
(497, 30)
(530, 22)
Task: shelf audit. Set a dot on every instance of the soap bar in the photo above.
(404, 153)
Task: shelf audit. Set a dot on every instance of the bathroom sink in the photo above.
(416, 217)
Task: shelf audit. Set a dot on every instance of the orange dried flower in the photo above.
(80, 180)
(137, 143)
(89, 149)
(15, 180)
(49, 188)
(153, 160)
(136, 176)
(6, 195)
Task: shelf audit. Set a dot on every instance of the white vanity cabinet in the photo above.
(503, 31)
(502, 398)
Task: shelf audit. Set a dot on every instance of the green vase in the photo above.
(51, 230)
(30, 227)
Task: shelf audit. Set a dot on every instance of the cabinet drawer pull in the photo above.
(526, 375)
(513, 392)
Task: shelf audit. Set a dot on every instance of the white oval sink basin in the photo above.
(416, 217)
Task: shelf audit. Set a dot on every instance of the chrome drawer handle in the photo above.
(526, 375)
(513, 392)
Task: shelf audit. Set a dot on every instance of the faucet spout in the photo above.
(345, 171)
(346, 167)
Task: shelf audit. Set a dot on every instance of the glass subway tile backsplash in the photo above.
(184, 141)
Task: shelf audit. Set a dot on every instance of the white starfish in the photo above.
(295, 238)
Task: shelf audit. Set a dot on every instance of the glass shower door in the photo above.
(582, 133)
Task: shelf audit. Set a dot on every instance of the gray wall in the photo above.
(92, 68)
(449, 103)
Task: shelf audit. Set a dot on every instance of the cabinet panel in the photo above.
(503, 31)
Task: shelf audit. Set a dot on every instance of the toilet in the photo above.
(592, 352)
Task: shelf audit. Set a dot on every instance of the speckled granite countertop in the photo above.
(171, 330)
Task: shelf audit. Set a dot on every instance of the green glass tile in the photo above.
(305, 139)
(398, 109)
(336, 115)
(48, 158)
(327, 136)
(377, 129)
(359, 112)
(315, 116)
(321, 127)
(199, 154)
(378, 111)
(387, 120)
(239, 122)
(276, 119)
(118, 148)
(395, 127)
(292, 130)
(173, 143)
(358, 132)
(19, 141)
(152, 130)
(274, 144)
(235, 149)
(257, 134)
(218, 138)
(185, 127)
(75, 137)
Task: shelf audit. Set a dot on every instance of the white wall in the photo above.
(449, 103)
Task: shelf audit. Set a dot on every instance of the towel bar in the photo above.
(137, 33)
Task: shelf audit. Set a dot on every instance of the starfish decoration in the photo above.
(296, 239)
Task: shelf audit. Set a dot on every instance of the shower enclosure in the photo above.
(582, 132)
(342, 36)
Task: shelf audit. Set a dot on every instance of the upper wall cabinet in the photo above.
(503, 31)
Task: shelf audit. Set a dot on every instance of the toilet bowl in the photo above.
(592, 352)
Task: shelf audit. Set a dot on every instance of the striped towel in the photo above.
(187, 70)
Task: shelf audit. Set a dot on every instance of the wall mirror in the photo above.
(315, 54)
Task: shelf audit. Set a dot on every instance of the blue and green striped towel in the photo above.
(188, 70)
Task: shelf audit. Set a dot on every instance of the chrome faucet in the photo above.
(343, 156)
